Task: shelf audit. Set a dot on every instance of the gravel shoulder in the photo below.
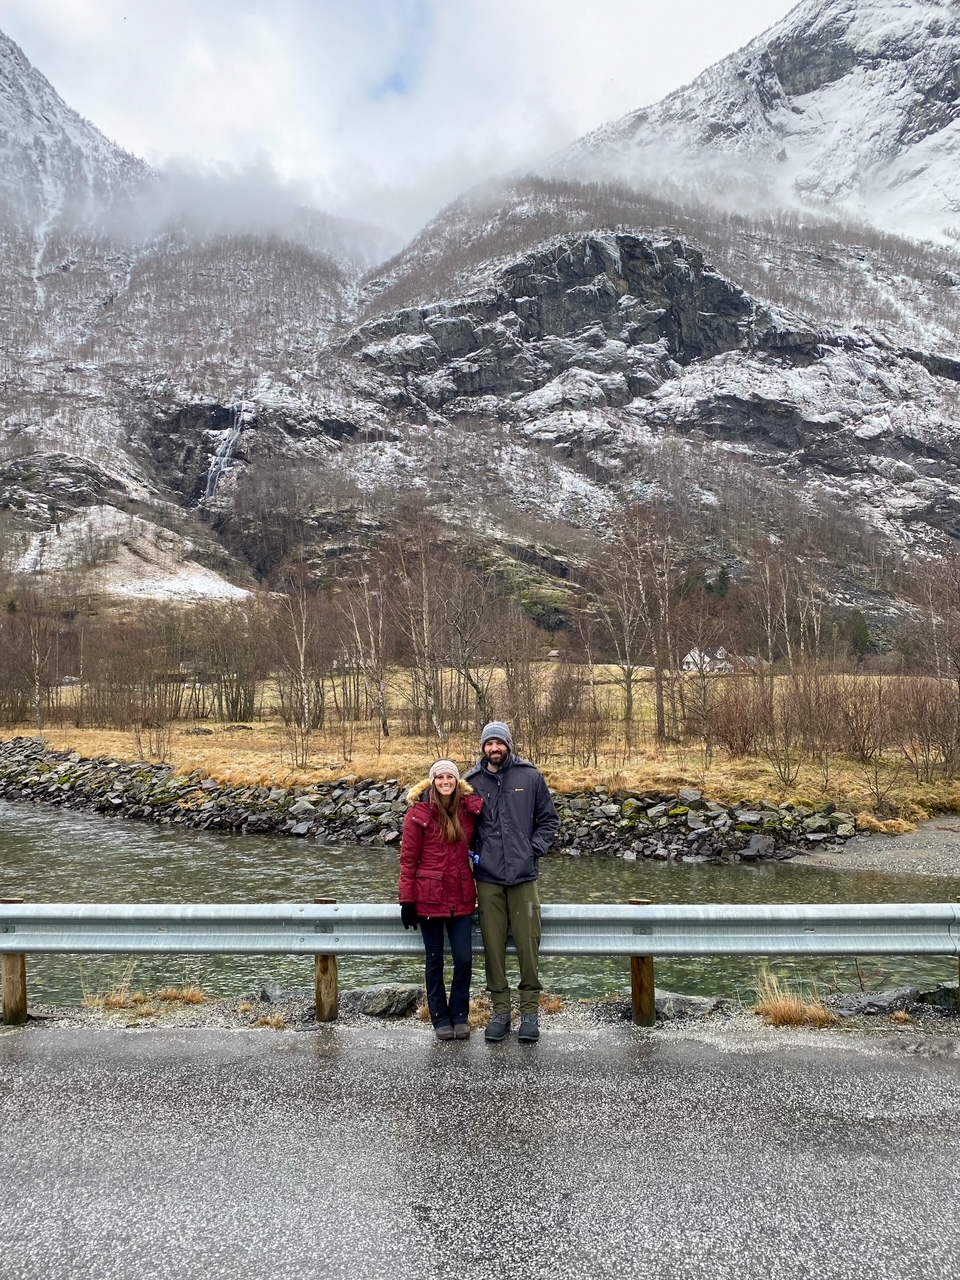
(933, 849)
(721, 1023)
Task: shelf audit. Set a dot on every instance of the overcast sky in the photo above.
(383, 109)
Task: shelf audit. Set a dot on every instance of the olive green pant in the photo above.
(511, 909)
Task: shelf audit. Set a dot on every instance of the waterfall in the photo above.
(220, 462)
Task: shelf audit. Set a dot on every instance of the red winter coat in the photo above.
(435, 873)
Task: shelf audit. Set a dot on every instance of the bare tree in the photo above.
(299, 650)
(472, 604)
(229, 654)
(653, 548)
(418, 613)
(363, 607)
(32, 629)
(618, 600)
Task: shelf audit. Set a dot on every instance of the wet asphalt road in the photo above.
(361, 1152)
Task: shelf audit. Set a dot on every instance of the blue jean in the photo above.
(460, 932)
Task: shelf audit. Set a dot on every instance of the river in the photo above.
(55, 855)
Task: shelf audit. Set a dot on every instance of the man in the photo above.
(517, 826)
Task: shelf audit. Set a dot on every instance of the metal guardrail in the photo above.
(328, 930)
(591, 929)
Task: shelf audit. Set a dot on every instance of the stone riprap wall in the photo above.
(354, 810)
(688, 826)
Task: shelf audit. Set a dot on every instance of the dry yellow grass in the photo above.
(552, 1004)
(258, 755)
(257, 758)
(901, 1015)
(117, 996)
(887, 826)
(781, 1008)
(146, 1003)
(116, 1000)
(276, 1021)
(182, 995)
(481, 1010)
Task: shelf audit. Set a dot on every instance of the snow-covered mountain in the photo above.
(121, 288)
(56, 169)
(540, 354)
(850, 103)
(102, 258)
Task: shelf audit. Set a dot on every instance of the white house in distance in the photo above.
(712, 662)
(717, 662)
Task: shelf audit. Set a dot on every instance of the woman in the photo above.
(437, 890)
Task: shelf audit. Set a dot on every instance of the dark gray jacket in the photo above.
(518, 824)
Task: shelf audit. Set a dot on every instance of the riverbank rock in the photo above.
(598, 823)
(389, 1000)
(943, 997)
(876, 1002)
(685, 827)
(911, 1002)
(672, 1004)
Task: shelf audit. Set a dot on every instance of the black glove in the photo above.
(408, 915)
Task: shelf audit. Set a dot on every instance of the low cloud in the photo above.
(382, 109)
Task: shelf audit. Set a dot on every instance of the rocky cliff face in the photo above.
(592, 347)
(541, 390)
(119, 311)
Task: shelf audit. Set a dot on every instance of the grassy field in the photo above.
(579, 738)
(259, 755)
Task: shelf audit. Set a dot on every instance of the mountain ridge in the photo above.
(543, 354)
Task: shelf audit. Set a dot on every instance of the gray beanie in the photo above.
(496, 729)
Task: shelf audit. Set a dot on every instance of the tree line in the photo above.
(429, 638)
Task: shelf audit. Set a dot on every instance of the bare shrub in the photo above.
(816, 698)
(925, 719)
(738, 714)
(866, 715)
(784, 739)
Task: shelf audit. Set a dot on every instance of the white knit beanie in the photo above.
(444, 766)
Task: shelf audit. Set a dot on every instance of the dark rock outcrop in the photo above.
(617, 309)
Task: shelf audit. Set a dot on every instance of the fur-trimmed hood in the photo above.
(420, 789)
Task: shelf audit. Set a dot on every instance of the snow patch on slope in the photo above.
(123, 555)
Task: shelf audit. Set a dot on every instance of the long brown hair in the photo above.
(448, 813)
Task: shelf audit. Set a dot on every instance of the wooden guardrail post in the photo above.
(13, 970)
(642, 989)
(327, 982)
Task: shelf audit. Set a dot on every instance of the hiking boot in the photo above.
(498, 1029)
(444, 1030)
(461, 1031)
(529, 1031)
